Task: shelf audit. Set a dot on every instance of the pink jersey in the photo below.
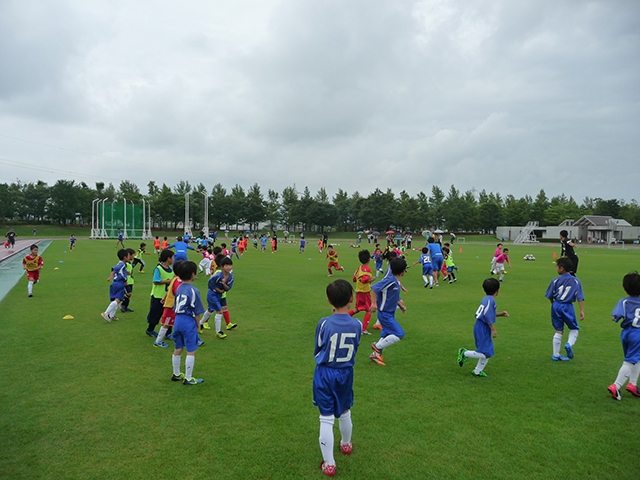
(502, 258)
(498, 252)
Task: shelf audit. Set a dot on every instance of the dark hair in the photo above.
(364, 256)
(490, 286)
(445, 250)
(499, 243)
(165, 238)
(446, 244)
(143, 245)
(564, 233)
(187, 270)
(122, 254)
(430, 240)
(225, 261)
(223, 245)
(179, 238)
(425, 250)
(389, 255)
(177, 266)
(505, 250)
(631, 284)
(339, 293)
(33, 246)
(565, 263)
(165, 255)
(217, 251)
(398, 265)
(130, 251)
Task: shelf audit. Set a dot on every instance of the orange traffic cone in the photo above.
(460, 249)
(554, 255)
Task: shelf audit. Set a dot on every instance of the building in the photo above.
(587, 229)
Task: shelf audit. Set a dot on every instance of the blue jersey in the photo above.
(387, 293)
(485, 316)
(187, 302)
(435, 250)
(565, 289)
(181, 251)
(627, 310)
(120, 273)
(216, 282)
(337, 341)
(263, 242)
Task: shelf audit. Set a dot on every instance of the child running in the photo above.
(562, 292)
(628, 310)
(188, 308)
(124, 306)
(138, 257)
(117, 289)
(496, 254)
(427, 267)
(220, 283)
(364, 278)
(332, 255)
(337, 340)
(72, 242)
(378, 257)
(156, 245)
(169, 302)
(450, 266)
(484, 329)
(500, 261)
(32, 264)
(388, 299)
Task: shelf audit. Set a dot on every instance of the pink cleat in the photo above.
(346, 448)
(635, 391)
(328, 470)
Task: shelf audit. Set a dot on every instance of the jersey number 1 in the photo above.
(334, 346)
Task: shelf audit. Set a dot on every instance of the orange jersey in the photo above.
(165, 244)
(362, 277)
(31, 263)
(156, 243)
(332, 255)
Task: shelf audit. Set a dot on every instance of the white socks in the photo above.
(163, 331)
(326, 438)
(557, 342)
(218, 320)
(387, 341)
(188, 366)
(635, 373)
(482, 359)
(30, 288)
(175, 362)
(111, 309)
(623, 374)
(573, 336)
(205, 317)
(346, 427)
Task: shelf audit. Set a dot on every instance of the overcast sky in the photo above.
(509, 96)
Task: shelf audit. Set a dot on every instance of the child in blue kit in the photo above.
(562, 292)
(220, 283)
(117, 289)
(388, 300)
(427, 267)
(378, 257)
(188, 308)
(628, 310)
(484, 329)
(337, 340)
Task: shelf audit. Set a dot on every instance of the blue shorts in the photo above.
(333, 390)
(390, 325)
(630, 338)
(563, 314)
(427, 269)
(484, 340)
(437, 263)
(117, 291)
(214, 302)
(185, 332)
(379, 265)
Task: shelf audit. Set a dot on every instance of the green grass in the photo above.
(85, 399)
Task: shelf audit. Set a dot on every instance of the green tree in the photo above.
(436, 201)
(343, 209)
(255, 207)
(220, 205)
(539, 207)
(63, 202)
(238, 206)
(273, 206)
(289, 206)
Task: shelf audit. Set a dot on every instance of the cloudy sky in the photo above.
(509, 96)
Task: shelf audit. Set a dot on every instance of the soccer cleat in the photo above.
(105, 316)
(430, 287)
(128, 310)
(426, 285)
(328, 470)
(192, 381)
(330, 275)
(569, 351)
(231, 326)
(160, 344)
(151, 333)
(115, 318)
(169, 337)
(615, 393)
(221, 334)
(461, 358)
(377, 326)
(479, 374)
(206, 326)
(346, 448)
(375, 348)
(437, 284)
(30, 295)
(377, 358)
(635, 391)
(141, 271)
(177, 378)
(364, 332)
(559, 358)
(200, 342)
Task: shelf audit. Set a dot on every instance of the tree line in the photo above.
(69, 203)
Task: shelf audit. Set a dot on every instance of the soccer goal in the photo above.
(618, 244)
(461, 240)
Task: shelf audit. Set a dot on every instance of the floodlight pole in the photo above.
(187, 225)
(133, 219)
(205, 223)
(93, 212)
(103, 233)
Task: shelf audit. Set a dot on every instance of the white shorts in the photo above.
(499, 267)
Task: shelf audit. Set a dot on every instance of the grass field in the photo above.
(83, 398)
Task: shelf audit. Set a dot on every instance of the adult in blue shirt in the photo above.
(435, 250)
(181, 250)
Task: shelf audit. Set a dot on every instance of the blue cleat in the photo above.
(559, 358)
(569, 351)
